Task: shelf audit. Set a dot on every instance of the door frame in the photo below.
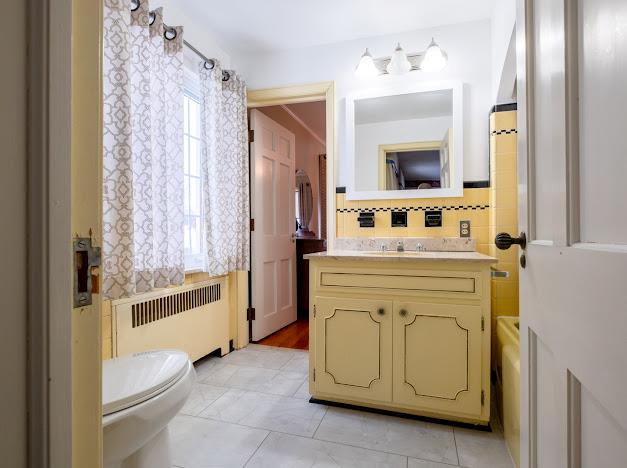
(49, 373)
(64, 156)
(297, 94)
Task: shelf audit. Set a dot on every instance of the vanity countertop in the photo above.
(407, 256)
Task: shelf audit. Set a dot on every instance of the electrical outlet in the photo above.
(464, 229)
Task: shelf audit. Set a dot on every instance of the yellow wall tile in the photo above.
(503, 120)
(107, 348)
(505, 143)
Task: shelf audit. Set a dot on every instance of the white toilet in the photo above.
(142, 392)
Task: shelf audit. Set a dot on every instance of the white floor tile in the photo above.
(256, 379)
(303, 391)
(202, 396)
(287, 451)
(262, 356)
(427, 441)
(479, 449)
(261, 410)
(201, 443)
(204, 366)
(298, 363)
(415, 463)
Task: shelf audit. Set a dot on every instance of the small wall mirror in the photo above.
(406, 142)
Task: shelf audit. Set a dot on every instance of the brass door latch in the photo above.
(86, 263)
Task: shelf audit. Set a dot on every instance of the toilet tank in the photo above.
(508, 382)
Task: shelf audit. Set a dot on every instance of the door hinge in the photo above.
(482, 323)
(251, 136)
(252, 224)
(482, 398)
(314, 374)
(314, 310)
(250, 313)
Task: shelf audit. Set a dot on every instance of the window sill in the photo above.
(192, 271)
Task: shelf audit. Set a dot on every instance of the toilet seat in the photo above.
(133, 379)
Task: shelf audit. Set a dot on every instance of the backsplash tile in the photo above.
(474, 206)
(431, 244)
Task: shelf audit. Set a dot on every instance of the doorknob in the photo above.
(504, 241)
(403, 313)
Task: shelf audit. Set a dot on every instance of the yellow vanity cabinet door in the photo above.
(437, 357)
(353, 348)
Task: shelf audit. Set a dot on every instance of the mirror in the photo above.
(406, 142)
(304, 210)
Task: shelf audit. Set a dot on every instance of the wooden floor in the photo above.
(295, 335)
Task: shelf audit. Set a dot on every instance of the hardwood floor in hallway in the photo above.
(295, 336)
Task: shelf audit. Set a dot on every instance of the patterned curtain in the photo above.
(143, 151)
(224, 156)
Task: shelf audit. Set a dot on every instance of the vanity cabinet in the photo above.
(402, 335)
(346, 328)
(437, 351)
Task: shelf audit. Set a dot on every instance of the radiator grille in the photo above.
(152, 310)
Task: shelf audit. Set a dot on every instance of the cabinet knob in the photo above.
(381, 311)
(403, 312)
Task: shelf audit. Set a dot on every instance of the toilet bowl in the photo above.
(142, 392)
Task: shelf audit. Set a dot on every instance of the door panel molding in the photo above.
(465, 330)
(336, 380)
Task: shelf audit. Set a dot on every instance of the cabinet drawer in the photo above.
(460, 284)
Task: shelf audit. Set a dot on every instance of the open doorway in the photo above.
(289, 206)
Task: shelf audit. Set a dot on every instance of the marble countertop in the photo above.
(407, 256)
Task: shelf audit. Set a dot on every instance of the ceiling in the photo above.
(404, 107)
(313, 116)
(273, 25)
(420, 165)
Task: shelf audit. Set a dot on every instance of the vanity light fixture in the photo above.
(399, 64)
(434, 59)
(366, 67)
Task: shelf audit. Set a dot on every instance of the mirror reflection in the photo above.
(404, 142)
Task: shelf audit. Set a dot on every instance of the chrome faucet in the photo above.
(420, 247)
(400, 247)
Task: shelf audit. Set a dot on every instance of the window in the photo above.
(193, 183)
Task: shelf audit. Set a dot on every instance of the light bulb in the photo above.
(399, 64)
(366, 67)
(435, 58)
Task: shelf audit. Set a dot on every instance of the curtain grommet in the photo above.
(170, 34)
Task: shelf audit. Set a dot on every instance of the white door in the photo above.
(572, 98)
(273, 247)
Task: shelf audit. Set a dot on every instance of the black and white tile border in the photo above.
(504, 132)
(415, 208)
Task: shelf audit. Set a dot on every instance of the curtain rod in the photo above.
(170, 33)
(209, 63)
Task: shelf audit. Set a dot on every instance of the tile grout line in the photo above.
(313, 436)
(456, 449)
(257, 449)
(385, 451)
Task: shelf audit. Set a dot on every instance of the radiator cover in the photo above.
(193, 318)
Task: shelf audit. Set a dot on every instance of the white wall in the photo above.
(368, 137)
(469, 50)
(503, 25)
(196, 33)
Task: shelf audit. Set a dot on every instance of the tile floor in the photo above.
(251, 409)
